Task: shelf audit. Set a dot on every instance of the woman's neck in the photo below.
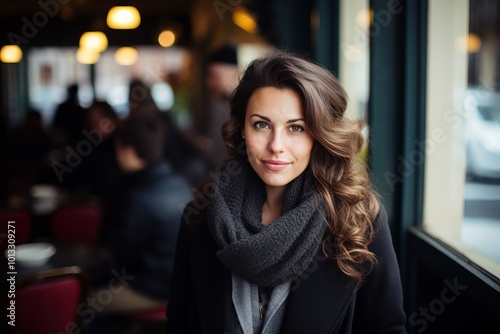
(273, 205)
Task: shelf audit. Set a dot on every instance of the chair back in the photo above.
(47, 302)
(76, 223)
(146, 321)
(20, 230)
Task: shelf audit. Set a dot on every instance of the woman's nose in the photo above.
(276, 144)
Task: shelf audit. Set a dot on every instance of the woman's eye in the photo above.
(260, 125)
(296, 128)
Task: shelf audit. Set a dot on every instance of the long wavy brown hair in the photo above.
(342, 181)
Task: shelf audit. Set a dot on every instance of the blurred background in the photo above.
(424, 75)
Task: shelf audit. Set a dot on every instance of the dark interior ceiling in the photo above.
(32, 23)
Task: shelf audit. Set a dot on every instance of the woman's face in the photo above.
(278, 140)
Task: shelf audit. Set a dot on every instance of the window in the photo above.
(153, 65)
(50, 71)
(355, 20)
(354, 59)
(462, 172)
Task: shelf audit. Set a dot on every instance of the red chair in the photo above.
(47, 302)
(146, 322)
(21, 227)
(76, 223)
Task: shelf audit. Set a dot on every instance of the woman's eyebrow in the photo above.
(295, 120)
(263, 117)
(269, 120)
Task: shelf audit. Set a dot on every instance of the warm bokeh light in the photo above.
(126, 56)
(470, 43)
(166, 38)
(94, 41)
(123, 17)
(86, 56)
(243, 19)
(11, 54)
(364, 18)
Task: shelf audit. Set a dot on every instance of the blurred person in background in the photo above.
(26, 149)
(100, 170)
(140, 99)
(222, 76)
(89, 165)
(179, 149)
(47, 94)
(181, 108)
(142, 237)
(68, 120)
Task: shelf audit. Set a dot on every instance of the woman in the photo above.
(288, 237)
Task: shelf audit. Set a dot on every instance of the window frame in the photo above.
(397, 118)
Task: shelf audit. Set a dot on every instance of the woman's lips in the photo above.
(275, 165)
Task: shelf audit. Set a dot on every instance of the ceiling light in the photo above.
(243, 19)
(86, 56)
(126, 56)
(11, 54)
(166, 38)
(94, 40)
(123, 17)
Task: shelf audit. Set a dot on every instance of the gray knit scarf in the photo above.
(266, 255)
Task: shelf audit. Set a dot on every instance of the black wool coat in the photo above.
(321, 301)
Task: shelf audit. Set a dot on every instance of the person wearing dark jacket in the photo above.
(142, 239)
(68, 118)
(221, 78)
(288, 236)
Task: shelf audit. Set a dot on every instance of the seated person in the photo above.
(142, 238)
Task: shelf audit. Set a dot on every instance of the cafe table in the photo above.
(94, 259)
